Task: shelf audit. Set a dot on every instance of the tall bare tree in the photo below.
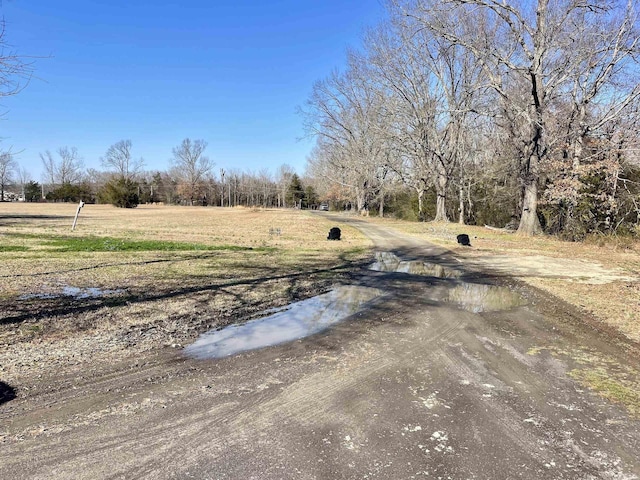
(118, 159)
(68, 169)
(348, 117)
(534, 56)
(191, 167)
(8, 167)
(50, 168)
(24, 177)
(435, 88)
(283, 179)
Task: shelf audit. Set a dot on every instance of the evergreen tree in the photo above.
(32, 192)
(295, 191)
(120, 192)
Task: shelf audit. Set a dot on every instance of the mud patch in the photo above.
(298, 320)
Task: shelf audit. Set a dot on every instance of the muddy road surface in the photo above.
(442, 372)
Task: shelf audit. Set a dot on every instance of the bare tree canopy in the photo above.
(349, 117)
(118, 160)
(68, 169)
(541, 97)
(192, 167)
(543, 59)
(15, 71)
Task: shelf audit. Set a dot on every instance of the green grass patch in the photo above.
(108, 244)
(13, 248)
(111, 244)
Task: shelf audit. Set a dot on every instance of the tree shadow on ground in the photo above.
(7, 393)
(42, 308)
(105, 265)
(6, 220)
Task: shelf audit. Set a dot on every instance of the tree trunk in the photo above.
(420, 203)
(441, 201)
(529, 223)
(360, 203)
(381, 206)
(461, 203)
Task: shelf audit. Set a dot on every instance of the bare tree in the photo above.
(24, 177)
(8, 167)
(349, 117)
(535, 56)
(265, 184)
(434, 88)
(70, 166)
(283, 179)
(118, 159)
(191, 167)
(68, 169)
(50, 168)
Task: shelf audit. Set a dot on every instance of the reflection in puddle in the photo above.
(75, 292)
(87, 292)
(298, 320)
(476, 298)
(389, 262)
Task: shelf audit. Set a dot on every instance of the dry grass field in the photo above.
(152, 274)
(601, 276)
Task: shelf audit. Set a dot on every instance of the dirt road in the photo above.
(452, 374)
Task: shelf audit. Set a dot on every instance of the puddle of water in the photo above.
(476, 298)
(389, 262)
(298, 320)
(75, 292)
(87, 292)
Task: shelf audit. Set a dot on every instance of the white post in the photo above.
(75, 220)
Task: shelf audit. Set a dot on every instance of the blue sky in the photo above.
(229, 72)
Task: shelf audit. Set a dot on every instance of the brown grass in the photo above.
(301, 242)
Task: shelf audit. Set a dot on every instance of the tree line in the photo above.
(486, 111)
(191, 180)
(522, 114)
